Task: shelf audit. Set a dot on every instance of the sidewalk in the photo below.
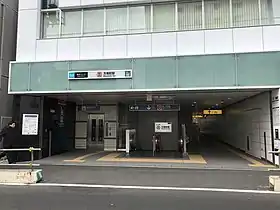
(252, 180)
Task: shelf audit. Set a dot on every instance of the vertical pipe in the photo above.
(203, 14)
(176, 16)
(230, 13)
(82, 22)
(152, 17)
(60, 24)
(260, 12)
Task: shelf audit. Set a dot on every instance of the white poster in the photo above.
(30, 124)
(163, 127)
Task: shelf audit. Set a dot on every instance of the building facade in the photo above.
(8, 26)
(105, 53)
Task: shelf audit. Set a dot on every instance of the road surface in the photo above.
(69, 198)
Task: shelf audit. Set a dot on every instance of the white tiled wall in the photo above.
(249, 118)
(239, 40)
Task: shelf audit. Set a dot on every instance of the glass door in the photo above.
(95, 129)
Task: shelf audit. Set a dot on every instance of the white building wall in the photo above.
(7, 53)
(276, 121)
(201, 42)
(205, 42)
(250, 119)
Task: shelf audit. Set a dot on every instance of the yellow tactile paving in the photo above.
(82, 159)
(253, 162)
(113, 157)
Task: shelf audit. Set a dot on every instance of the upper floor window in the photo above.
(157, 17)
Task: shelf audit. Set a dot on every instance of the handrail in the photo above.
(30, 149)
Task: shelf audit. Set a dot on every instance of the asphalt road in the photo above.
(57, 198)
(250, 180)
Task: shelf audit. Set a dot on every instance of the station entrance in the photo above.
(214, 127)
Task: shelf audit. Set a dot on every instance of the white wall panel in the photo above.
(248, 39)
(115, 46)
(190, 43)
(69, 3)
(26, 40)
(91, 47)
(164, 44)
(68, 49)
(28, 4)
(252, 119)
(271, 38)
(46, 50)
(91, 2)
(139, 45)
(218, 41)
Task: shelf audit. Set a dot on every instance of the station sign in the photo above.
(89, 108)
(212, 112)
(154, 107)
(100, 74)
(163, 127)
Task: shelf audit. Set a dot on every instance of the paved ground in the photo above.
(207, 154)
(45, 198)
(252, 180)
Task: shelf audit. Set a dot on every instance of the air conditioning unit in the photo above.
(52, 4)
(49, 4)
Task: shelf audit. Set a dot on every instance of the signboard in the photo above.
(30, 124)
(212, 112)
(163, 127)
(89, 108)
(100, 74)
(154, 107)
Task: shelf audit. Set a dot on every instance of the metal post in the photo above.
(154, 145)
(127, 143)
(50, 143)
(184, 140)
(32, 158)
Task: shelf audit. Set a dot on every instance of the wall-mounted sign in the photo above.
(92, 108)
(163, 127)
(30, 124)
(212, 112)
(100, 74)
(154, 107)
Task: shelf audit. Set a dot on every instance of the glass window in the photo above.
(164, 17)
(50, 25)
(71, 23)
(245, 13)
(116, 20)
(265, 13)
(140, 19)
(190, 15)
(217, 14)
(93, 22)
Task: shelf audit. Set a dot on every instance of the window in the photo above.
(71, 23)
(164, 17)
(140, 19)
(50, 25)
(245, 13)
(190, 15)
(217, 14)
(93, 22)
(265, 12)
(116, 20)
